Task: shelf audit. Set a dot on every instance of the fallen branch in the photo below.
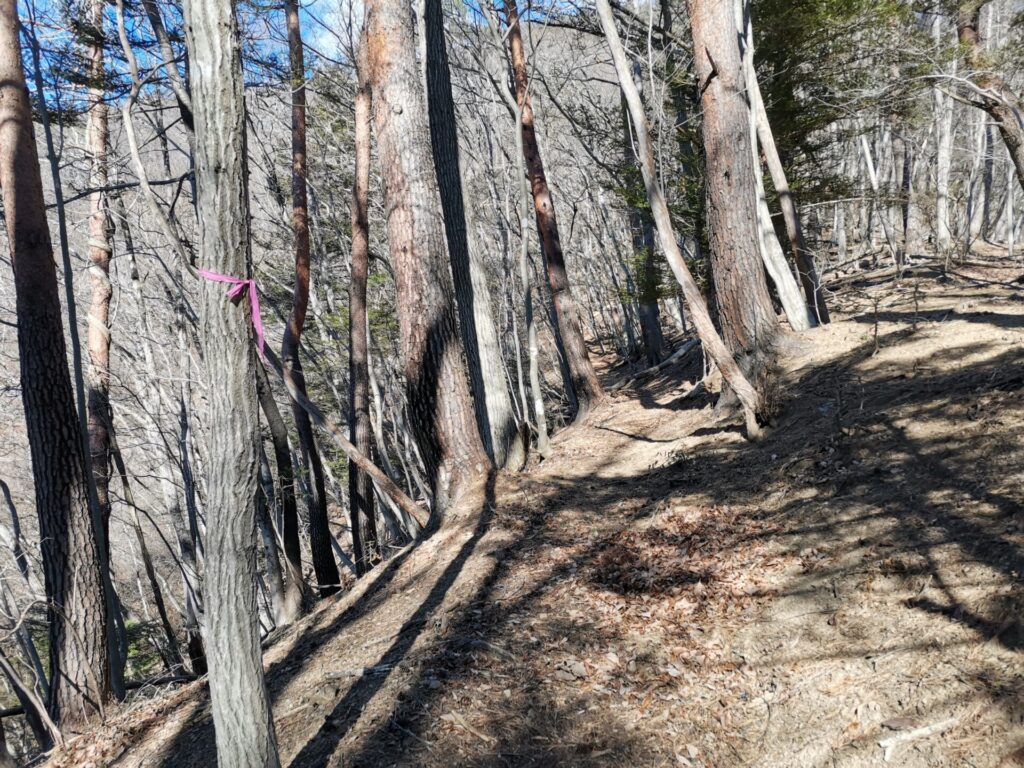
(890, 744)
(659, 367)
(323, 421)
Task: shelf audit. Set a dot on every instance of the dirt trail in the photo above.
(662, 592)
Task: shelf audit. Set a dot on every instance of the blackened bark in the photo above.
(294, 588)
(491, 398)
(326, 569)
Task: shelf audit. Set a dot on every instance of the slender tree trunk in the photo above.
(802, 255)
(713, 344)
(879, 207)
(360, 490)
(944, 108)
(438, 394)
(172, 652)
(491, 398)
(242, 719)
(324, 566)
(275, 575)
(79, 664)
(768, 244)
(748, 321)
(992, 94)
(641, 227)
(100, 251)
(582, 388)
(294, 589)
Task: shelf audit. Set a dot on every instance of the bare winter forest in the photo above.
(583, 382)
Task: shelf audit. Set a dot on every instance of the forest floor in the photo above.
(846, 592)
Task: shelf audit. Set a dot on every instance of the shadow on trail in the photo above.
(839, 437)
(826, 440)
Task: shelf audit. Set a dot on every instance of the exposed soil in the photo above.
(662, 592)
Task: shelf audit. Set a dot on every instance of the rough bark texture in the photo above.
(241, 708)
(360, 489)
(79, 664)
(327, 575)
(993, 95)
(583, 389)
(441, 410)
(748, 322)
(712, 342)
(491, 398)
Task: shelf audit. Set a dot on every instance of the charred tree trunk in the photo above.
(440, 405)
(327, 575)
(72, 560)
(748, 321)
(491, 398)
(582, 388)
(242, 719)
(360, 489)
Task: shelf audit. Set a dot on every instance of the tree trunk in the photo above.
(802, 255)
(992, 93)
(438, 394)
(72, 560)
(327, 575)
(582, 387)
(242, 719)
(491, 398)
(713, 344)
(641, 228)
(360, 490)
(100, 251)
(944, 108)
(294, 585)
(768, 245)
(748, 321)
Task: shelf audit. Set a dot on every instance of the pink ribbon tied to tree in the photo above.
(239, 287)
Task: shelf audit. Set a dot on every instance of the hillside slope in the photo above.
(661, 592)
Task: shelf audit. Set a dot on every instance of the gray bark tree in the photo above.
(241, 707)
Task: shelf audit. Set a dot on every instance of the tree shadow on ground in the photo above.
(522, 734)
(822, 444)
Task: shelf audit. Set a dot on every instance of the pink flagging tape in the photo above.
(237, 289)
